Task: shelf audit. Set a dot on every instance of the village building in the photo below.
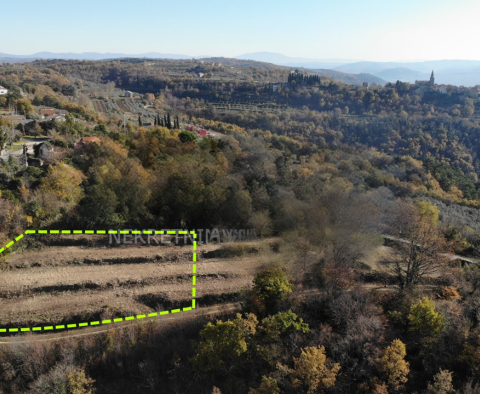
(47, 111)
(3, 91)
(443, 90)
(426, 84)
(85, 141)
(58, 118)
(43, 151)
(128, 94)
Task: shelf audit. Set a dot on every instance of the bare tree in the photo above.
(419, 245)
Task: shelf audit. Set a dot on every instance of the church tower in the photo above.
(432, 79)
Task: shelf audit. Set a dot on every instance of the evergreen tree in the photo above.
(140, 123)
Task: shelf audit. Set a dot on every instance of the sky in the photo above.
(373, 30)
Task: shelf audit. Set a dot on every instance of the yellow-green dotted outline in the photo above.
(120, 319)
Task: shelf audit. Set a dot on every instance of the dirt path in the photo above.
(95, 330)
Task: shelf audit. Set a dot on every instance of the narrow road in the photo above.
(450, 256)
(95, 330)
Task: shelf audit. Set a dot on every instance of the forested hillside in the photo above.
(320, 169)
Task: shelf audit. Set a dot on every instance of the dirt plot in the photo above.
(56, 284)
(74, 255)
(121, 105)
(99, 106)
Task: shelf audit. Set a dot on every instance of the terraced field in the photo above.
(65, 284)
(224, 106)
(100, 106)
(122, 106)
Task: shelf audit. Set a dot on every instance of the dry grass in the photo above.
(54, 284)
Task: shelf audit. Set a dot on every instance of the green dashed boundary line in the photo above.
(120, 319)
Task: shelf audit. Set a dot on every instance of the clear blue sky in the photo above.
(377, 30)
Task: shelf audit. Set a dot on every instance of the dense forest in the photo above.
(325, 175)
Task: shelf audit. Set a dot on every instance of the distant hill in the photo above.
(14, 60)
(448, 72)
(234, 62)
(368, 67)
(402, 74)
(278, 58)
(351, 79)
(94, 56)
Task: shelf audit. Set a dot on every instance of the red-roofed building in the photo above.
(48, 111)
(85, 141)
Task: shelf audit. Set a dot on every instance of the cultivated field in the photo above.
(65, 284)
(99, 106)
(121, 105)
(237, 106)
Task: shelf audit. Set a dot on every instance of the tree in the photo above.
(24, 106)
(267, 386)
(79, 383)
(424, 319)
(442, 383)
(99, 206)
(420, 254)
(394, 366)
(222, 344)
(272, 333)
(314, 370)
(269, 288)
(471, 353)
(59, 192)
(186, 136)
(262, 223)
(282, 322)
(149, 97)
(3, 139)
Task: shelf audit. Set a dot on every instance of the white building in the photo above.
(3, 90)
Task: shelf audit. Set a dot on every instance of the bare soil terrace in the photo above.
(60, 284)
